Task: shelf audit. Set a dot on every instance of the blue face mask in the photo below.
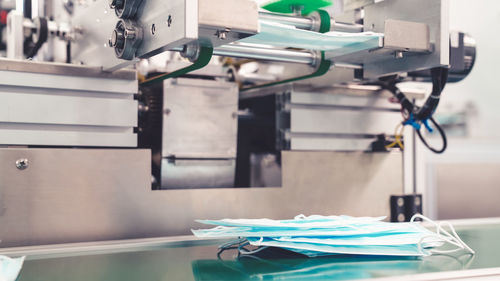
(10, 268)
(319, 235)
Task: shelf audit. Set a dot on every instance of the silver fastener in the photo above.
(22, 164)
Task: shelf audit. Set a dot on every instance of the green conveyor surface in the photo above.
(192, 261)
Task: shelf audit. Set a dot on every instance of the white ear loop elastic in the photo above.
(450, 238)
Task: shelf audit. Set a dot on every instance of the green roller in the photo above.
(289, 6)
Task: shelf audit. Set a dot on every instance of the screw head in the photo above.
(401, 202)
(401, 218)
(169, 20)
(22, 164)
(399, 55)
(153, 29)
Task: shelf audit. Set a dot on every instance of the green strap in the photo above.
(203, 59)
(326, 22)
(322, 69)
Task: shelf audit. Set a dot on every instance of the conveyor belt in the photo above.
(185, 258)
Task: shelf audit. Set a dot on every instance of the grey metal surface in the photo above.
(94, 195)
(64, 69)
(200, 128)
(383, 61)
(60, 108)
(319, 121)
(200, 119)
(215, 22)
(357, 4)
(405, 35)
(225, 21)
(198, 173)
(98, 20)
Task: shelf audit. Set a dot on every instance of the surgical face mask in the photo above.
(319, 235)
(10, 268)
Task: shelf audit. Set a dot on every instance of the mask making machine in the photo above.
(130, 119)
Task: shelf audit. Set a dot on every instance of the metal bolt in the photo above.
(401, 218)
(118, 38)
(169, 21)
(153, 29)
(222, 34)
(418, 202)
(22, 164)
(401, 202)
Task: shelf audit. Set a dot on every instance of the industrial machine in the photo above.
(127, 119)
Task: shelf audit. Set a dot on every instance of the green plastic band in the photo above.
(203, 59)
(322, 69)
(287, 6)
(326, 22)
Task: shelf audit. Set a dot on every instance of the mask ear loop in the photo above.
(444, 235)
(453, 238)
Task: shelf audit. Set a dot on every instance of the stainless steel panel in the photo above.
(64, 69)
(46, 109)
(309, 142)
(342, 121)
(373, 100)
(98, 20)
(200, 119)
(57, 135)
(51, 81)
(330, 120)
(198, 173)
(62, 108)
(225, 21)
(94, 195)
(380, 62)
(405, 35)
(357, 4)
(433, 13)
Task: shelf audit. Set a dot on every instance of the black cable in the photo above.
(42, 38)
(443, 136)
(439, 79)
(68, 52)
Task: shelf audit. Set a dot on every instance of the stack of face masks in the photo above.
(10, 268)
(321, 235)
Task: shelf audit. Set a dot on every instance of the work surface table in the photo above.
(186, 258)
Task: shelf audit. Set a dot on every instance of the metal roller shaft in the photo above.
(309, 23)
(247, 51)
(299, 22)
(259, 53)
